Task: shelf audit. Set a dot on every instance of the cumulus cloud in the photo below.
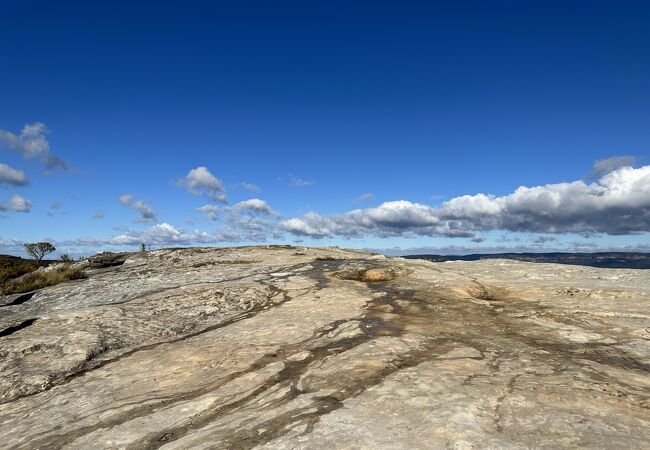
(397, 218)
(159, 234)
(210, 211)
(251, 220)
(254, 205)
(164, 234)
(247, 230)
(32, 143)
(16, 203)
(12, 177)
(617, 203)
(98, 215)
(604, 166)
(147, 214)
(201, 182)
(311, 224)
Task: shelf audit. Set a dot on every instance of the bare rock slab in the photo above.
(298, 347)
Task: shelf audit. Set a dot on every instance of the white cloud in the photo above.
(32, 143)
(146, 212)
(165, 234)
(159, 234)
(618, 203)
(245, 228)
(251, 220)
(298, 182)
(311, 224)
(17, 203)
(388, 219)
(254, 205)
(12, 177)
(604, 166)
(211, 211)
(201, 182)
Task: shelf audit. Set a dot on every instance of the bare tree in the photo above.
(39, 249)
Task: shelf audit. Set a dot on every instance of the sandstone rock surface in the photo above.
(285, 347)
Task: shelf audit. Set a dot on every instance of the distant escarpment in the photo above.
(611, 260)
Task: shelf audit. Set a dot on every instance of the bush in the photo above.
(486, 292)
(40, 279)
(13, 267)
(66, 258)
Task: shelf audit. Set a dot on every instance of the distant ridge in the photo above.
(610, 260)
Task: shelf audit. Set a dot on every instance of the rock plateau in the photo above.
(295, 347)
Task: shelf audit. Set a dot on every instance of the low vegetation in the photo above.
(40, 279)
(370, 273)
(12, 267)
(19, 275)
(487, 292)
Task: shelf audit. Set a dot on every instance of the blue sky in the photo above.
(319, 104)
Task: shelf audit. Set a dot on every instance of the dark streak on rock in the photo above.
(20, 299)
(10, 330)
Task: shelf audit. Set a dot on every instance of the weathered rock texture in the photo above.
(280, 347)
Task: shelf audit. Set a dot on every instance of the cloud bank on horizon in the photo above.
(613, 200)
(618, 203)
